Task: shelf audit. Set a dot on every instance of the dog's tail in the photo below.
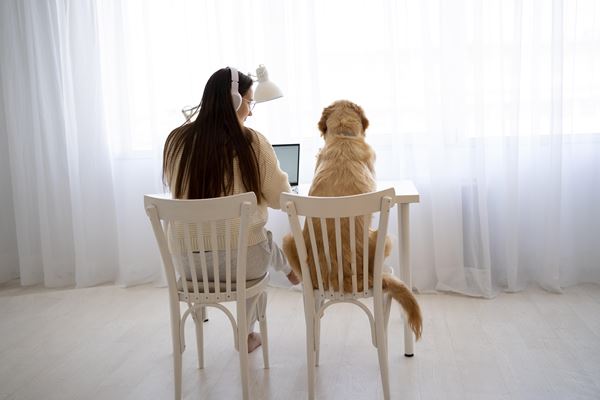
(407, 300)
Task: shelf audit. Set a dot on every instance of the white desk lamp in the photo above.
(266, 90)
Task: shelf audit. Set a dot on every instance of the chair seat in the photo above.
(253, 287)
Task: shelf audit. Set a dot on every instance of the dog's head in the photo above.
(343, 117)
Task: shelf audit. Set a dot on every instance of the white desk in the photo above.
(406, 193)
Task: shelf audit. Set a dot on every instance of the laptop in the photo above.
(289, 161)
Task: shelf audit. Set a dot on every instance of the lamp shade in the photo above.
(265, 90)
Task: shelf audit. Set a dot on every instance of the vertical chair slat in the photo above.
(165, 227)
(228, 256)
(353, 253)
(340, 261)
(202, 249)
(327, 255)
(215, 256)
(315, 252)
(365, 223)
(386, 203)
(177, 268)
(191, 260)
(190, 257)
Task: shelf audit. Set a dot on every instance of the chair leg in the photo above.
(318, 305)
(310, 355)
(244, 366)
(317, 340)
(177, 350)
(242, 338)
(178, 345)
(177, 361)
(264, 333)
(199, 315)
(382, 352)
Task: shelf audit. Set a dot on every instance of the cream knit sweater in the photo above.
(273, 180)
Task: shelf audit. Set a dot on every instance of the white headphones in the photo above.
(236, 97)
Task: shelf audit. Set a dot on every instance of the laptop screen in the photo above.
(289, 160)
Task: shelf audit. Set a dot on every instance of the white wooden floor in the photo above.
(113, 343)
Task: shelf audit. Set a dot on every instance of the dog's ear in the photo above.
(363, 118)
(323, 121)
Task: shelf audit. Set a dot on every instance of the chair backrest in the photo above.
(338, 251)
(195, 237)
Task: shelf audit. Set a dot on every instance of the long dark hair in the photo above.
(198, 156)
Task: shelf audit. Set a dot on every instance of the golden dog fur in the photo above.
(345, 166)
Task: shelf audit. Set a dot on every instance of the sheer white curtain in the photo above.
(492, 108)
(62, 191)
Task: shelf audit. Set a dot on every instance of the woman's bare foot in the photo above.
(254, 341)
(293, 278)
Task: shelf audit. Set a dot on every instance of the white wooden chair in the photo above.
(199, 221)
(347, 215)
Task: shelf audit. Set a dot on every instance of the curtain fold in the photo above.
(492, 109)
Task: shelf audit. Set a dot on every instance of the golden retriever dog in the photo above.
(345, 166)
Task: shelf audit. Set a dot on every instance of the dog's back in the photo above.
(344, 168)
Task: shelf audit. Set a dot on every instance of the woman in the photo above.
(216, 155)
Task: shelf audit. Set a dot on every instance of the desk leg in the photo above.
(405, 272)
